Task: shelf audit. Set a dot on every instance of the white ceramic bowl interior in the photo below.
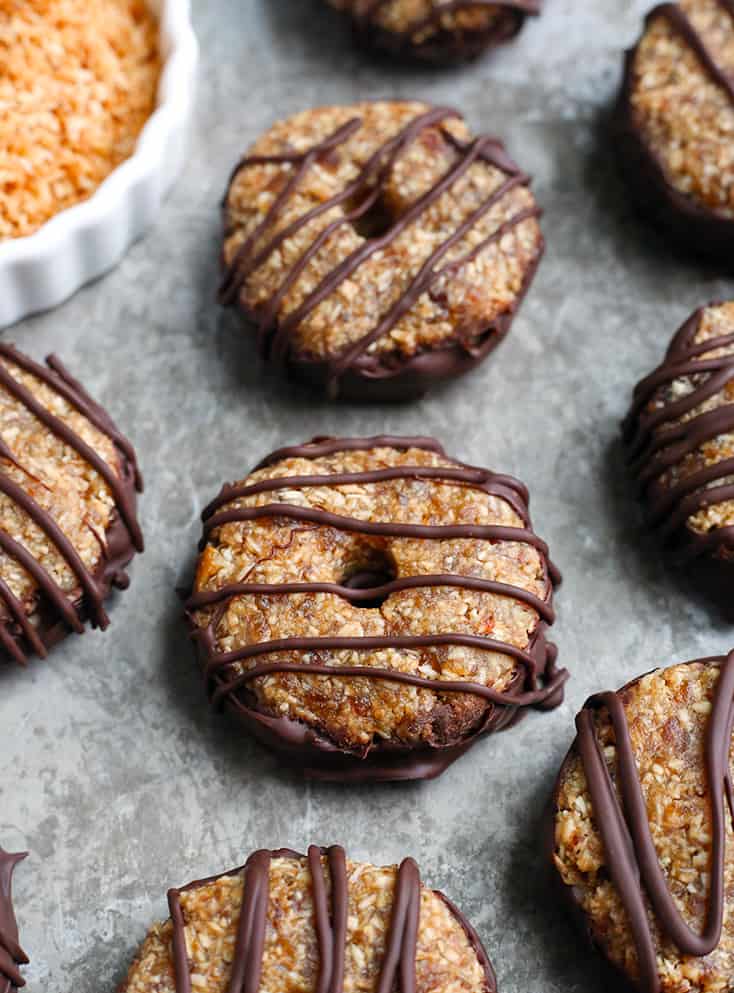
(82, 242)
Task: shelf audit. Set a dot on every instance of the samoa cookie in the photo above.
(376, 249)
(369, 607)
(325, 922)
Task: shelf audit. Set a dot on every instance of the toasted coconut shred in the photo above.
(78, 81)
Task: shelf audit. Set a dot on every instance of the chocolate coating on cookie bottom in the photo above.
(427, 39)
(11, 954)
(538, 683)
(330, 918)
(19, 636)
(629, 851)
(693, 227)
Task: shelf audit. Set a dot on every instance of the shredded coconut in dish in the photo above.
(78, 81)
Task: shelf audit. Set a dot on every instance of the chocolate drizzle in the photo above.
(629, 850)
(398, 972)
(274, 334)
(541, 684)
(11, 954)
(654, 449)
(18, 634)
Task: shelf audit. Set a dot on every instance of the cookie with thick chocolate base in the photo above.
(379, 248)
(437, 30)
(12, 956)
(680, 438)
(68, 526)
(324, 922)
(674, 120)
(643, 833)
(369, 607)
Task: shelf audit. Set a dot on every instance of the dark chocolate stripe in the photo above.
(489, 532)
(322, 924)
(339, 915)
(248, 958)
(678, 19)
(208, 598)
(480, 478)
(180, 955)
(534, 697)
(274, 334)
(365, 643)
(331, 928)
(654, 449)
(323, 446)
(399, 965)
(630, 854)
(11, 954)
(74, 392)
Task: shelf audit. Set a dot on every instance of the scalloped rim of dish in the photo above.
(148, 173)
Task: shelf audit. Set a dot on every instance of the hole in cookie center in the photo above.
(379, 571)
(375, 221)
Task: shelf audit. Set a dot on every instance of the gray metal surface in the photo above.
(113, 773)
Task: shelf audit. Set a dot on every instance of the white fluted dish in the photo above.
(80, 243)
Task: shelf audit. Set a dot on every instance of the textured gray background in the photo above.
(112, 771)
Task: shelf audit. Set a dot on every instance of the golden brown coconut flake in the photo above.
(78, 81)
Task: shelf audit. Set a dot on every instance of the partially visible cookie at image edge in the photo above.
(437, 30)
(12, 955)
(369, 607)
(641, 828)
(379, 248)
(325, 922)
(680, 438)
(674, 122)
(68, 524)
